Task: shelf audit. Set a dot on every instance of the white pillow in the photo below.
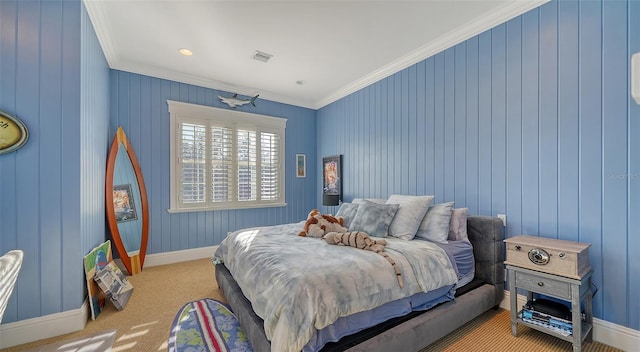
(435, 225)
(407, 220)
(372, 200)
(458, 224)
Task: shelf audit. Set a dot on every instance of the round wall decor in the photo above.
(13, 133)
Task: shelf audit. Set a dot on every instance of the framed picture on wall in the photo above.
(123, 204)
(301, 165)
(332, 177)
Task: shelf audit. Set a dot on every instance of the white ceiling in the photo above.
(334, 47)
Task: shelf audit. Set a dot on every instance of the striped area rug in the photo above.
(492, 332)
(207, 325)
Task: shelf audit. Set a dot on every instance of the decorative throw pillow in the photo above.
(435, 225)
(374, 219)
(409, 216)
(458, 224)
(348, 212)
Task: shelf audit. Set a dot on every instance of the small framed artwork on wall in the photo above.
(332, 180)
(301, 165)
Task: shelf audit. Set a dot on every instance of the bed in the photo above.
(446, 306)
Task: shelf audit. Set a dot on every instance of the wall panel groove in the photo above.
(532, 119)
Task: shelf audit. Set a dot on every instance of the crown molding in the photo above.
(96, 15)
(471, 29)
(210, 83)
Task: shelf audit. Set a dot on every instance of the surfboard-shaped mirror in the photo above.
(126, 203)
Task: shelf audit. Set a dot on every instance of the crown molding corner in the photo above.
(101, 28)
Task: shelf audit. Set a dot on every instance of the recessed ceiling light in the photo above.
(185, 52)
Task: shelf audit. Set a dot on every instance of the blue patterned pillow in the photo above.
(348, 212)
(374, 219)
(435, 225)
(409, 216)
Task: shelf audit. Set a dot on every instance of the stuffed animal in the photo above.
(361, 240)
(317, 224)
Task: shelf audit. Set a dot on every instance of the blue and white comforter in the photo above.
(299, 284)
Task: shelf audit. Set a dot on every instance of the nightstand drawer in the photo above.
(543, 285)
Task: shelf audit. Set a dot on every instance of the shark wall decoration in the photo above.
(234, 102)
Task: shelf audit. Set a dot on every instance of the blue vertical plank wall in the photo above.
(532, 118)
(633, 181)
(568, 119)
(615, 99)
(513, 126)
(53, 76)
(139, 105)
(471, 191)
(94, 137)
(590, 139)
(530, 108)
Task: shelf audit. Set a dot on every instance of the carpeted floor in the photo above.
(492, 332)
(160, 292)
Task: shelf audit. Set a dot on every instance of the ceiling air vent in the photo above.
(260, 56)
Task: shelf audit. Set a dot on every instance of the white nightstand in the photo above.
(554, 268)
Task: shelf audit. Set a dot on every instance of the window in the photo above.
(225, 159)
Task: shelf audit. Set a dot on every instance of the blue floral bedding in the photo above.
(300, 284)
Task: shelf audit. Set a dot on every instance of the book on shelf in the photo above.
(558, 325)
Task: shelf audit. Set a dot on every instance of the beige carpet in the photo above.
(492, 332)
(159, 292)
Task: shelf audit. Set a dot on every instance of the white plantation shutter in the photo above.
(225, 159)
(192, 161)
(247, 172)
(221, 164)
(269, 157)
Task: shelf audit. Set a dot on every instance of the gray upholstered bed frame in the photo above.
(486, 235)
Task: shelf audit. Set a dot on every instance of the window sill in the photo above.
(230, 207)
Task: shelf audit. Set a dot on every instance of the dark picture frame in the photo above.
(332, 175)
(123, 203)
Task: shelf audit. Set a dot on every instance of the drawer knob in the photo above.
(561, 254)
(518, 247)
(540, 283)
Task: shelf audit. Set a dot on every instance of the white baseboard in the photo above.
(34, 329)
(179, 256)
(605, 332)
(44, 327)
